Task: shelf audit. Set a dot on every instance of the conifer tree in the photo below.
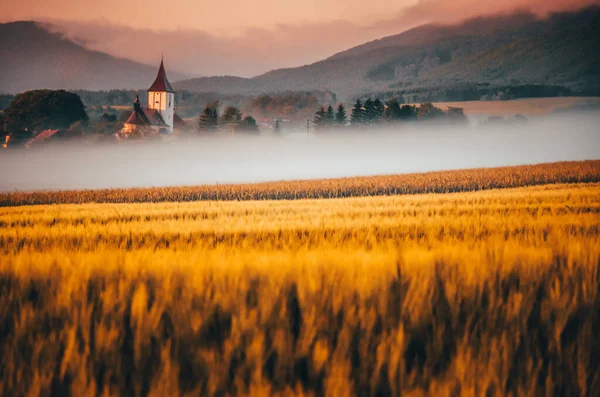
(329, 116)
(357, 116)
(340, 115)
(392, 110)
(369, 114)
(378, 109)
(320, 118)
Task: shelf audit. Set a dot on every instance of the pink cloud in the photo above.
(258, 50)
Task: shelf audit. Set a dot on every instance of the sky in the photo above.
(248, 37)
(222, 17)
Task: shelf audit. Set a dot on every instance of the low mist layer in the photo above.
(401, 149)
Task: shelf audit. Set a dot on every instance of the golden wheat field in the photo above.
(486, 293)
(419, 183)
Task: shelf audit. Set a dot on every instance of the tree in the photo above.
(44, 109)
(340, 115)
(230, 119)
(209, 117)
(456, 115)
(124, 97)
(320, 118)
(392, 110)
(395, 112)
(231, 116)
(260, 103)
(111, 96)
(369, 114)
(408, 113)
(277, 126)
(378, 109)
(329, 117)
(249, 125)
(109, 118)
(427, 111)
(357, 115)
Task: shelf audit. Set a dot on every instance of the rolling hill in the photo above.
(40, 59)
(556, 55)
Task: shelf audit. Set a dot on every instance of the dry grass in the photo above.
(431, 182)
(491, 293)
(528, 107)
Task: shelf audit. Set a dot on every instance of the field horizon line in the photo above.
(446, 181)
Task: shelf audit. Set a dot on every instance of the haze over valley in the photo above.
(239, 159)
(462, 61)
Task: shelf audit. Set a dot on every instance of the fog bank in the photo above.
(402, 149)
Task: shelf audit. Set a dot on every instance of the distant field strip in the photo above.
(471, 218)
(528, 106)
(421, 183)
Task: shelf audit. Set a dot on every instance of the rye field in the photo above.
(477, 293)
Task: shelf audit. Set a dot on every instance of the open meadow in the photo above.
(492, 293)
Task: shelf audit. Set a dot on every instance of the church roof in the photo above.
(42, 136)
(154, 116)
(137, 118)
(161, 84)
(146, 116)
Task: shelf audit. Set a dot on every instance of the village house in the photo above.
(159, 118)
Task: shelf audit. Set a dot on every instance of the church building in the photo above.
(159, 117)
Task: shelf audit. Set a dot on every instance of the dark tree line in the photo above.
(231, 119)
(328, 118)
(374, 112)
(481, 92)
(189, 104)
(38, 110)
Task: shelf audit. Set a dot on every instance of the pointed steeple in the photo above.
(136, 103)
(161, 84)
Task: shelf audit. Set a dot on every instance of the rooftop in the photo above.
(161, 84)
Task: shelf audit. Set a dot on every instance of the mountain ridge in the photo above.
(42, 59)
(481, 56)
(444, 57)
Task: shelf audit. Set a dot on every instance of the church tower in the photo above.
(161, 97)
